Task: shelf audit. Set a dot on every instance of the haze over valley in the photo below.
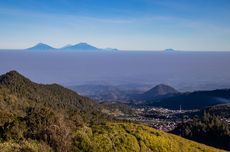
(186, 71)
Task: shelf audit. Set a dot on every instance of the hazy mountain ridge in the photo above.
(160, 96)
(124, 93)
(77, 47)
(194, 100)
(102, 93)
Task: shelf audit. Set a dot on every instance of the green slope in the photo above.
(129, 137)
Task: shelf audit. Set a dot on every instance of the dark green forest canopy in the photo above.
(208, 129)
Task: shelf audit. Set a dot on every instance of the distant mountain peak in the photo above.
(169, 50)
(161, 90)
(41, 46)
(80, 47)
(82, 43)
(162, 86)
(84, 46)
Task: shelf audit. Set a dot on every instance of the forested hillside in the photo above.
(209, 129)
(36, 117)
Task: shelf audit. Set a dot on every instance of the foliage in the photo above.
(208, 129)
(44, 113)
(129, 137)
(116, 109)
(222, 110)
(25, 146)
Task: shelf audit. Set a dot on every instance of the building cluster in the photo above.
(159, 118)
(164, 125)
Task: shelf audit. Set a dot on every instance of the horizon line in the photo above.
(124, 50)
(117, 49)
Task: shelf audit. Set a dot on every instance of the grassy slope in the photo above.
(127, 137)
(117, 137)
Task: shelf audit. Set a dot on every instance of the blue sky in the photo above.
(124, 24)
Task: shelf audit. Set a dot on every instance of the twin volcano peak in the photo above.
(79, 46)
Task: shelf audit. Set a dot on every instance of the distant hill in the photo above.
(159, 91)
(41, 47)
(169, 50)
(193, 100)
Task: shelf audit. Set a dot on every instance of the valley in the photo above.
(143, 111)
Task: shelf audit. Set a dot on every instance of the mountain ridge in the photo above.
(20, 85)
(83, 46)
(193, 100)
